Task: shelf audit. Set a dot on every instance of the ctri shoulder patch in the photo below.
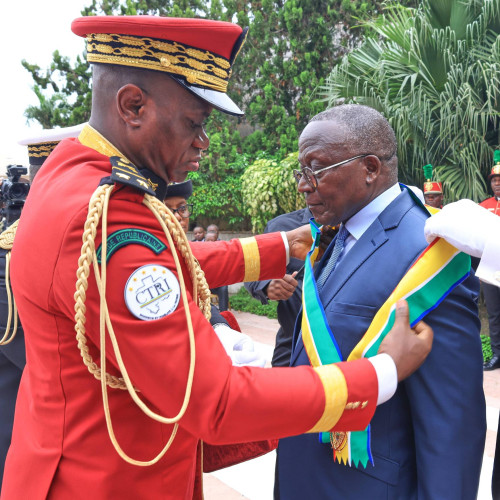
(152, 292)
(125, 172)
(131, 236)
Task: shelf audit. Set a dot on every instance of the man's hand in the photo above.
(282, 289)
(465, 225)
(299, 241)
(407, 347)
(327, 235)
(232, 340)
(238, 346)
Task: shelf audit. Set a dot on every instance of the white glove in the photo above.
(233, 340)
(247, 358)
(465, 225)
(238, 346)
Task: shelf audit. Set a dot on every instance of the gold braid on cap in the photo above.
(176, 238)
(6, 242)
(199, 67)
(41, 150)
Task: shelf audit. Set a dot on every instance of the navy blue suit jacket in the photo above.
(428, 440)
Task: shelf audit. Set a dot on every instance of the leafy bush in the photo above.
(269, 189)
(244, 302)
(486, 345)
(220, 201)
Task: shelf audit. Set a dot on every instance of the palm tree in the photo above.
(434, 72)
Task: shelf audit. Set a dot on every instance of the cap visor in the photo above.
(218, 100)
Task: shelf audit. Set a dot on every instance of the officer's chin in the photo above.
(178, 177)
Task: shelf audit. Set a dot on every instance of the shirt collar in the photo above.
(363, 219)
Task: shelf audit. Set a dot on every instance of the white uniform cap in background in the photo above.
(41, 144)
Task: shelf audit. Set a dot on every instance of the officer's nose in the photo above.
(201, 141)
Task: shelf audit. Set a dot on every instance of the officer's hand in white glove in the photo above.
(247, 358)
(465, 225)
(232, 339)
(239, 347)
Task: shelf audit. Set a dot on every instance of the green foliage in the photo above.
(69, 102)
(243, 301)
(434, 72)
(269, 189)
(486, 345)
(174, 8)
(221, 201)
(293, 45)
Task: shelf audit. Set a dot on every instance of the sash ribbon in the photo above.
(439, 269)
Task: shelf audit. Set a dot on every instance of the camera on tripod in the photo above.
(13, 193)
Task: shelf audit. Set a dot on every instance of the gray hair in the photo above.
(369, 132)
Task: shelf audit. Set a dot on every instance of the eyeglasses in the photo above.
(184, 211)
(310, 175)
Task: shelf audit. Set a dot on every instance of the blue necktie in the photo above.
(337, 250)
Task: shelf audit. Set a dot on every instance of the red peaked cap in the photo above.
(433, 187)
(197, 53)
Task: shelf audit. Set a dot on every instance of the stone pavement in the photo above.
(253, 480)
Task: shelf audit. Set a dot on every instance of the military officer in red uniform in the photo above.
(117, 412)
(433, 190)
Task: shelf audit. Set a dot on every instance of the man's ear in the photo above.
(373, 167)
(130, 102)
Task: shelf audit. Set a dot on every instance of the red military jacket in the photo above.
(60, 447)
(492, 204)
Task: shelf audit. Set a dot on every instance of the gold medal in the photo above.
(338, 440)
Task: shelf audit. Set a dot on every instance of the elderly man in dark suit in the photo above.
(427, 442)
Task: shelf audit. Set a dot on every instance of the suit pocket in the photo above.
(384, 470)
(361, 310)
(349, 323)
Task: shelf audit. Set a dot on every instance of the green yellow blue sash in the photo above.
(439, 269)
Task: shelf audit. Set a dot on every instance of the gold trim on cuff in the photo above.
(335, 388)
(251, 255)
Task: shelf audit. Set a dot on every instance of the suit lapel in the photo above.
(373, 238)
(369, 243)
(376, 237)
